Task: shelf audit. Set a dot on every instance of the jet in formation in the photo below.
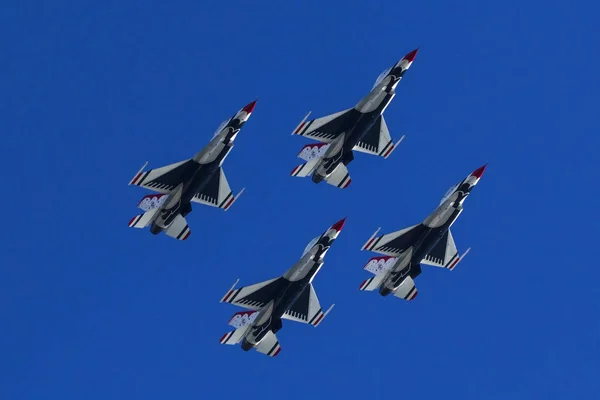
(200, 180)
(291, 296)
(429, 242)
(361, 128)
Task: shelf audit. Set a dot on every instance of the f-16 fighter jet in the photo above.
(200, 179)
(429, 242)
(361, 128)
(291, 296)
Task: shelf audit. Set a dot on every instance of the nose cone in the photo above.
(410, 57)
(339, 225)
(249, 108)
(479, 172)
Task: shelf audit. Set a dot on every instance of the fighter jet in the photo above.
(361, 128)
(429, 242)
(291, 296)
(200, 180)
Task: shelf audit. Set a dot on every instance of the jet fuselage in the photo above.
(197, 174)
(430, 231)
(363, 116)
(292, 285)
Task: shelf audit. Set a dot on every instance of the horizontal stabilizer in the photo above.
(269, 345)
(305, 169)
(407, 289)
(313, 150)
(340, 177)
(234, 337)
(143, 220)
(380, 265)
(179, 229)
(372, 283)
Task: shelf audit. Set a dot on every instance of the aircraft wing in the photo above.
(307, 308)
(256, 296)
(163, 179)
(395, 243)
(377, 140)
(216, 192)
(444, 254)
(325, 129)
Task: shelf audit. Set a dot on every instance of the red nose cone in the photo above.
(410, 57)
(479, 171)
(250, 107)
(339, 225)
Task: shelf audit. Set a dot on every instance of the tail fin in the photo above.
(179, 229)
(143, 220)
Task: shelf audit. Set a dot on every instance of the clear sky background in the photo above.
(91, 309)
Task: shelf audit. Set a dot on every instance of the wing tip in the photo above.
(394, 146)
(301, 124)
(368, 243)
(224, 298)
(133, 181)
(233, 199)
(458, 259)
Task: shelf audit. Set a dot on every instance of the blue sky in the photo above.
(93, 310)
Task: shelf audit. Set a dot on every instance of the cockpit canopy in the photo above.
(311, 244)
(220, 128)
(449, 193)
(381, 77)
